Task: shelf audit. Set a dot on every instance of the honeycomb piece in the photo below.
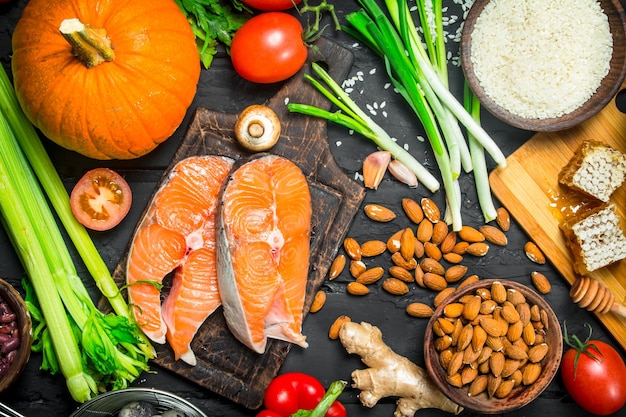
(596, 170)
(595, 238)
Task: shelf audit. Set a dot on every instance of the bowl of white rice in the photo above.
(544, 65)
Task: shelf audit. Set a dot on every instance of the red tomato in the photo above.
(336, 410)
(594, 375)
(293, 391)
(268, 413)
(271, 5)
(101, 199)
(269, 48)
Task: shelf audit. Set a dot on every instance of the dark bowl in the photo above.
(608, 88)
(110, 403)
(14, 317)
(520, 395)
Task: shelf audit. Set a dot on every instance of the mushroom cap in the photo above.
(257, 128)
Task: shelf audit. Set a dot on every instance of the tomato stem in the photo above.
(581, 347)
(312, 33)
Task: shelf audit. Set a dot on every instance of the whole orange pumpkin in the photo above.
(109, 79)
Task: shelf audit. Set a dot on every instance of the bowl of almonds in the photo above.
(493, 346)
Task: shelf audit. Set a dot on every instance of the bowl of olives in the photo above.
(138, 402)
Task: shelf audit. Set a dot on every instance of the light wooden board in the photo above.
(528, 187)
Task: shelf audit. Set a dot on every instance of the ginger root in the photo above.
(390, 374)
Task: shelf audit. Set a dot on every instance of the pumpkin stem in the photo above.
(90, 45)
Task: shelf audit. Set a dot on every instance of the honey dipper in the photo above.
(594, 296)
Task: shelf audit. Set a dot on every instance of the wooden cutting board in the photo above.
(225, 366)
(528, 187)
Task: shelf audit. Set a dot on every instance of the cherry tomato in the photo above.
(594, 375)
(336, 410)
(101, 199)
(268, 413)
(269, 48)
(271, 5)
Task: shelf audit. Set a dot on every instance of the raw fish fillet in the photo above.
(183, 212)
(263, 239)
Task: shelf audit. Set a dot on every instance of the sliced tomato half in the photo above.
(101, 199)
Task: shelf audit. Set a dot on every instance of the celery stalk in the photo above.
(37, 156)
(18, 223)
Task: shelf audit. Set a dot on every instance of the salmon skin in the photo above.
(177, 234)
(263, 245)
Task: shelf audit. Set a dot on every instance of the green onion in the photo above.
(352, 117)
(418, 69)
(112, 351)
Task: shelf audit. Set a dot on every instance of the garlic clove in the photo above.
(374, 168)
(402, 173)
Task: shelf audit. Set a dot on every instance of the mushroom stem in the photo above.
(257, 128)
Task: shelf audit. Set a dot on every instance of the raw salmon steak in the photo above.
(178, 235)
(263, 239)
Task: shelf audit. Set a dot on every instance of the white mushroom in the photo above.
(257, 128)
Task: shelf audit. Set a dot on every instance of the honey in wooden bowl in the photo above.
(490, 353)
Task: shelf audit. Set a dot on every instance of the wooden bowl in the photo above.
(521, 394)
(605, 92)
(21, 325)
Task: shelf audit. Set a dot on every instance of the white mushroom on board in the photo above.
(257, 128)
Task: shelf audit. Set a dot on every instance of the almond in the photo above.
(442, 343)
(400, 273)
(460, 247)
(491, 326)
(455, 380)
(419, 249)
(496, 363)
(432, 265)
(465, 337)
(509, 313)
(419, 276)
(442, 295)
(455, 273)
(471, 309)
(540, 281)
(487, 306)
(379, 213)
(493, 382)
(399, 260)
(407, 244)
(425, 230)
(470, 356)
(515, 331)
(515, 297)
(453, 258)
(477, 249)
(357, 268)
(434, 281)
(477, 386)
(538, 352)
(352, 248)
(516, 352)
(370, 276)
(523, 309)
(479, 337)
(453, 310)
(445, 325)
(528, 334)
(472, 279)
(530, 373)
(468, 374)
(448, 242)
(413, 210)
(493, 235)
(419, 310)
(336, 268)
(533, 253)
(432, 251)
(498, 292)
(504, 389)
(356, 288)
(393, 243)
(395, 286)
(333, 332)
(455, 363)
(470, 234)
(318, 301)
(430, 209)
(510, 366)
(503, 218)
(373, 248)
(440, 231)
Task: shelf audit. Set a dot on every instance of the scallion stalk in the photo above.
(352, 117)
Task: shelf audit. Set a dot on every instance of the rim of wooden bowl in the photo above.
(16, 302)
(607, 90)
(521, 395)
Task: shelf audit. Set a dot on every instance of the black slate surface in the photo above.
(40, 394)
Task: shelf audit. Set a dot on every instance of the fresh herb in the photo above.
(213, 22)
(92, 350)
